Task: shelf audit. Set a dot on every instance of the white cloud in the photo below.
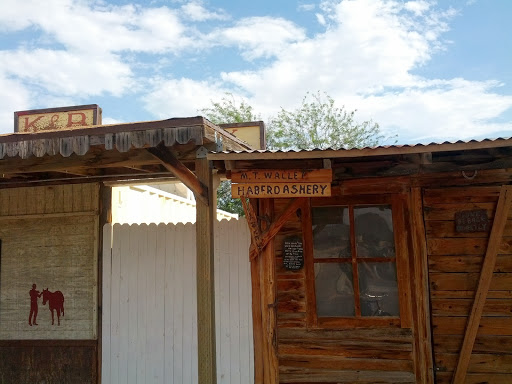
(259, 36)
(181, 97)
(320, 18)
(366, 59)
(110, 121)
(453, 110)
(417, 7)
(306, 7)
(92, 27)
(65, 73)
(197, 12)
(13, 97)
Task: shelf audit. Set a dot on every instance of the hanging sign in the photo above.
(472, 221)
(38, 120)
(281, 183)
(293, 253)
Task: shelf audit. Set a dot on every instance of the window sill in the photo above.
(346, 322)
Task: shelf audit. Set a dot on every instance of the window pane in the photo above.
(334, 289)
(331, 232)
(379, 289)
(374, 232)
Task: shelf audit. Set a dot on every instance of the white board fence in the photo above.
(149, 327)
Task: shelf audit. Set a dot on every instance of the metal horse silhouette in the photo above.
(55, 302)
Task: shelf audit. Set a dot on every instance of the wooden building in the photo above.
(380, 265)
(54, 202)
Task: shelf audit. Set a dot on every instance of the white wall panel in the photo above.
(150, 304)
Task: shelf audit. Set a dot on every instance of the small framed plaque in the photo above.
(471, 221)
(293, 253)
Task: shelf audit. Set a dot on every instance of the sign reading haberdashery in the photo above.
(281, 183)
(37, 120)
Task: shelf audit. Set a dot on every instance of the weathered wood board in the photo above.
(282, 176)
(455, 259)
(52, 245)
(271, 190)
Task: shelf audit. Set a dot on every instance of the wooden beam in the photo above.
(186, 176)
(424, 366)
(500, 219)
(205, 216)
(252, 221)
(276, 226)
(269, 303)
(257, 321)
(75, 163)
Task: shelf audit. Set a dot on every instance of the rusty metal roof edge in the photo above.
(119, 136)
(104, 129)
(362, 152)
(223, 132)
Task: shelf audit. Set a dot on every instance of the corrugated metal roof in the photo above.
(122, 137)
(361, 152)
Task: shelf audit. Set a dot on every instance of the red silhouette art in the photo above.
(34, 295)
(55, 301)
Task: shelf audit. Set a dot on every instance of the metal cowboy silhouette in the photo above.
(34, 295)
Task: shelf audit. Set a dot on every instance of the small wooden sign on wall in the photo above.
(471, 221)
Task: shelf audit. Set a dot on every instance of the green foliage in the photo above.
(226, 202)
(228, 110)
(318, 123)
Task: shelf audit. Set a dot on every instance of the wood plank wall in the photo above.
(455, 260)
(367, 355)
(49, 237)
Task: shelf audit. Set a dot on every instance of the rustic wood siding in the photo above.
(455, 260)
(149, 325)
(366, 355)
(49, 237)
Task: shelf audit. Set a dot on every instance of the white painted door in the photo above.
(149, 304)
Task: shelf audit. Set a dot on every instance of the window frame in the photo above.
(397, 202)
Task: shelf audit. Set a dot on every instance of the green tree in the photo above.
(318, 123)
(229, 110)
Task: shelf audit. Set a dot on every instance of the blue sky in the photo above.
(425, 71)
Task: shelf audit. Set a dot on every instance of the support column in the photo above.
(205, 216)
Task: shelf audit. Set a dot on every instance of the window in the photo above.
(354, 262)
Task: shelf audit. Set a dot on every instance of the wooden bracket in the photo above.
(484, 283)
(186, 176)
(260, 240)
(252, 220)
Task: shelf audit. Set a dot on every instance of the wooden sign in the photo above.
(282, 176)
(472, 221)
(253, 133)
(38, 120)
(270, 190)
(271, 183)
(293, 253)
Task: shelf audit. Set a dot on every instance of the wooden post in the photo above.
(205, 216)
(424, 365)
(105, 212)
(484, 283)
(268, 286)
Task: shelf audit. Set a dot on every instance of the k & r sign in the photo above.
(38, 120)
